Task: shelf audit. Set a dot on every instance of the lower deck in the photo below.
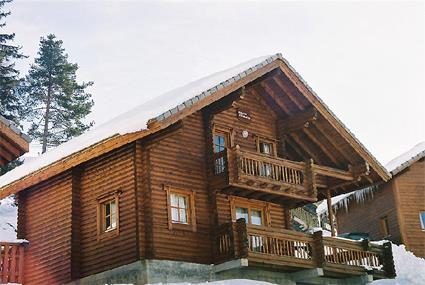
(292, 251)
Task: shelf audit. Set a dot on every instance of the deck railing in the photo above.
(300, 250)
(276, 169)
(11, 262)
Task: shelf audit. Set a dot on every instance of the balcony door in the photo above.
(221, 141)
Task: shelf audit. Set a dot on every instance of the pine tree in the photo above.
(10, 103)
(57, 104)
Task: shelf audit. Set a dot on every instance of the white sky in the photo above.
(366, 60)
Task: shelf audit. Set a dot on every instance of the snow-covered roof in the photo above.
(14, 128)
(137, 119)
(406, 159)
(395, 166)
(159, 110)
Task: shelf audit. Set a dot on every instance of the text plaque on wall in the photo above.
(243, 115)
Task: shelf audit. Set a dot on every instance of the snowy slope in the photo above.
(137, 119)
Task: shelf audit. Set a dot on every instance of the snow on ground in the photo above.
(136, 119)
(8, 214)
(225, 282)
(410, 269)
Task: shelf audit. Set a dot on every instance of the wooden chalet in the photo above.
(394, 210)
(202, 177)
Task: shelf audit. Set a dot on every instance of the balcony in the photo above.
(292, 251)
(11, 262)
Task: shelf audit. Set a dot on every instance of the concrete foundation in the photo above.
(166, 271)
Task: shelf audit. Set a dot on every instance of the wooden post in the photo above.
(330, 211)
(388, 260)
(318, 249)
(243, 238)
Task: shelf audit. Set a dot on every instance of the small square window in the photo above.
(181, 209)
(266, 148)
(422, 219)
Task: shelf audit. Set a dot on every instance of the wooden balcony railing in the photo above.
(278, 176)
(291, 249)
(11, 262)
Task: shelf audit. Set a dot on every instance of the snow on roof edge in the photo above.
(138, 118)
(15, 129)
(394, 166)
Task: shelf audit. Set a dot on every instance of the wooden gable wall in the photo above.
(409, 188)
(366, 217)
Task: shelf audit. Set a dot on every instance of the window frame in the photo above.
(263, 207)
(228, 133)
(270, 141)
(385, 226)
(191, 211)
(422, 221)
(101, 201)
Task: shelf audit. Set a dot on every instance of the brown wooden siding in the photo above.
(263, 122)
(109, 173)
(46, 209)
(366, 217)
(179, 161)
(410, 197)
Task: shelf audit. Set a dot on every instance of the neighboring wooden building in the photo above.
(205, 174)
(13, 143)
(394, 210)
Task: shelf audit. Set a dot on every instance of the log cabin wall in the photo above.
(177, 161)
(48, 228)
(107, 174)
(410, 200)
(366, 217)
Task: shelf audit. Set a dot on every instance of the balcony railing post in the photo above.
(310, 178)
(243, 237)
(318, 249)
(388, 260)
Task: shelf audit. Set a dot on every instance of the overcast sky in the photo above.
(366, 60)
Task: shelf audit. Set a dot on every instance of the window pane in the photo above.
(174, 200)
(242, 213)
(107, 223)
(183, 216)
(219, 143)
(174, 214)
(256, 217)
(266, 148)
(113, 207)
(422, 217)
(107, 209)
(182, 202)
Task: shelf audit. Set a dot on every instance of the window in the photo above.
(422, 219)
(266, 148)
(254, 212)
(108, 215)
(181, 209)
(384, 226)
(220, 142)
